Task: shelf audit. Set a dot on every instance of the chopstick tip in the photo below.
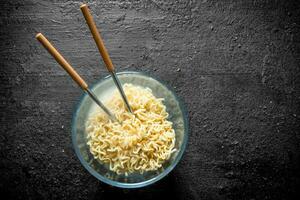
(83, 5)
(38, 35)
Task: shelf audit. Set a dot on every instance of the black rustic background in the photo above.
(235, 64)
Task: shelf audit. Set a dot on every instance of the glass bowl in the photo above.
(85, 107)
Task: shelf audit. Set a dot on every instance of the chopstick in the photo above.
(70, 70)
(101, 47)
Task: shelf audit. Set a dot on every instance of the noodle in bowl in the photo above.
(142, 142)
(145, 147)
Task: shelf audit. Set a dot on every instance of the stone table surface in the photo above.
(235, 64)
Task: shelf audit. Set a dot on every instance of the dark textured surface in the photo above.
(234, 63)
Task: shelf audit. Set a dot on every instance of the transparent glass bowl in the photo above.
(85, 107)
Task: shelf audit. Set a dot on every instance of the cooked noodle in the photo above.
(144, 140)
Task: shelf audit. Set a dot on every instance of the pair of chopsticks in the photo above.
(75, 76)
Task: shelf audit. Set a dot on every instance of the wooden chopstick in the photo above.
(97, 37)
(60, 59)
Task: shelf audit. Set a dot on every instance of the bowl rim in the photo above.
(139, 184)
